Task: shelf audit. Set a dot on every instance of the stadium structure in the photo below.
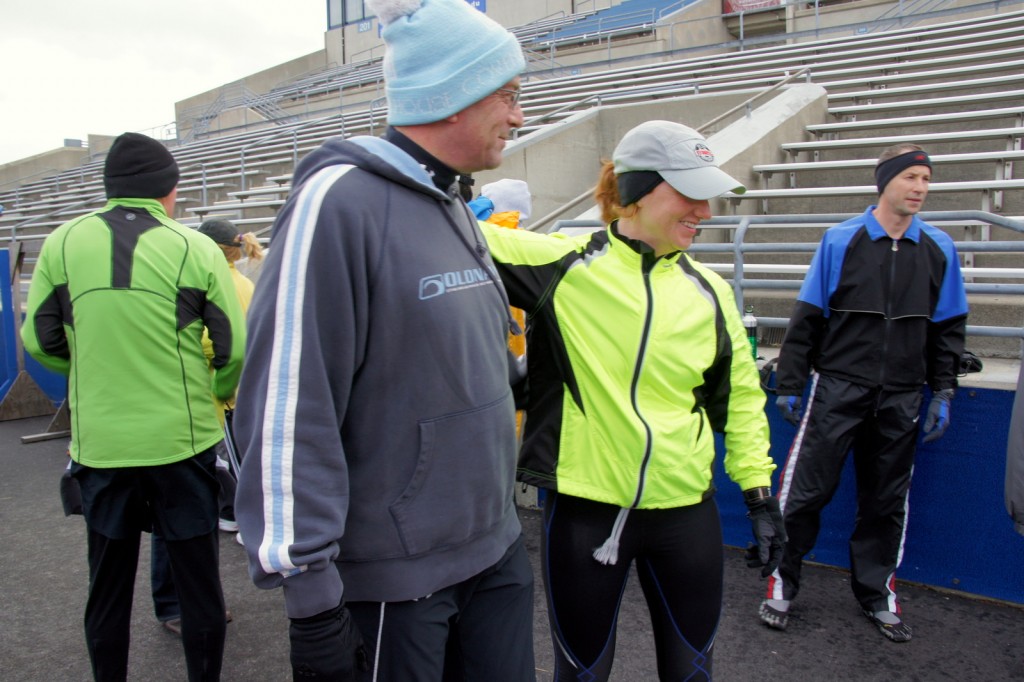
(797, 99)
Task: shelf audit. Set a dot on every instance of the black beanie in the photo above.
(139, 167)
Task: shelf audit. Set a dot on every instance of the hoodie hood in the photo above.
(374, 155)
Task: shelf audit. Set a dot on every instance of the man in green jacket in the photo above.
(118, 302)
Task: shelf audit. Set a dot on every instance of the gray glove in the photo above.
(789, 406)
(769, 532)
(937, 420)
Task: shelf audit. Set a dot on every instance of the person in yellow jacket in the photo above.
(235, 246)
(637, 354)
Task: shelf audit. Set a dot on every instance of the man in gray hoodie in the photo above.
(375, 416)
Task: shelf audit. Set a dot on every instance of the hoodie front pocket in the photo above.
(463, 482)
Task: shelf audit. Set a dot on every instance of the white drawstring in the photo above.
(608, 553)
(376, 652)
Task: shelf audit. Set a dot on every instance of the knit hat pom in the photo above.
(389, 10)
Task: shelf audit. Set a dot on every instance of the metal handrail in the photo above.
(63, 209)
(743, 224)
(748, 103)
(293, 131)
(738, 247)
(745, 105)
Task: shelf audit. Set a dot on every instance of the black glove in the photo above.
(327, 646)
(937, 420)
(789, 406)
(769, 531)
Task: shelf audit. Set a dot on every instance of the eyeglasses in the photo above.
(511, 96)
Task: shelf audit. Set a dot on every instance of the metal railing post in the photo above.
(203, 192)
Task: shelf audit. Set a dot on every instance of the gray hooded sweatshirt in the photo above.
(374, 415)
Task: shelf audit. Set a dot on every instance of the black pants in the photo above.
(881, 428)
(161, 581)
(165, 595)
(180, 500)
(478, 630)
(678, 554)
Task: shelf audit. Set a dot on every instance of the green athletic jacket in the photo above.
(118, 302)
(633, 361)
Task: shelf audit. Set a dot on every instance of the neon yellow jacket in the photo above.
(633, 361)
(118, 302)
(244, 289)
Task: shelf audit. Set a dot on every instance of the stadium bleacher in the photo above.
(954, 86)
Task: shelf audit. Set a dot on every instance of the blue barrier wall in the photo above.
(959, 535)
(54, 385)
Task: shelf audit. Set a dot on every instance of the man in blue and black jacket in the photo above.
(881, 312)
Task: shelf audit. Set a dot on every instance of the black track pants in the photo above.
(475, 631)
(881, 429)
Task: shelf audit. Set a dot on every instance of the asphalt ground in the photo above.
(45, 577)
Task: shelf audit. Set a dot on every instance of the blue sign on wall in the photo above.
(479, 4)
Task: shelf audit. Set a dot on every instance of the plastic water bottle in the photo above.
(750, 323)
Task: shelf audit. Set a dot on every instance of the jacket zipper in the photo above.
(646, 269)
(480, 253)
(888, 321)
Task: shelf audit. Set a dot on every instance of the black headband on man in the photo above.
(890, 168)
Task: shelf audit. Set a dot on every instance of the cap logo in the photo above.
(703, 153)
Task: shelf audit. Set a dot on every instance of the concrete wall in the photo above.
(41, 166)
(259, 82)
(697, 24)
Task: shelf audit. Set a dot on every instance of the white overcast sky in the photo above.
(75, 67)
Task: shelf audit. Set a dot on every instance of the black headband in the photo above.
(634, 185)
(890, 168)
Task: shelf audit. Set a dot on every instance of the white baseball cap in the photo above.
(509, 195)
(679, 154)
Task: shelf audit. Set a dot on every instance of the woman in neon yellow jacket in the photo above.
(636, 354)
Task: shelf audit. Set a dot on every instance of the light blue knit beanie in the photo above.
(442, 56)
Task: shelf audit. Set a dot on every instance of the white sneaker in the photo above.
(238, 539)
(228, 525)
(775, 613)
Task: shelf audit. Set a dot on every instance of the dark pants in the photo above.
(180, 500)
(679, 559)
(165, 595)
(480, 629)
(881, 429)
